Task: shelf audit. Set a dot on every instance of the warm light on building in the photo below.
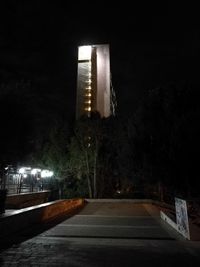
(93, 80)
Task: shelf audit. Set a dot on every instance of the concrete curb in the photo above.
(136, 201)
(194, 230)
(168, 220)
(117, 200)
(23, 218)
(24, 200)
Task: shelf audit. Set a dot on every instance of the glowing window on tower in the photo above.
(85, 61)
(85, 52)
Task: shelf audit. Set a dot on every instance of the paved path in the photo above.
(106, 234)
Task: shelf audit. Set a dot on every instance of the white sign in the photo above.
(182, 217)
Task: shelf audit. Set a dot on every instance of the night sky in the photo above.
(150, 45)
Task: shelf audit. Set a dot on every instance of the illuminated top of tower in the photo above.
(93, 80)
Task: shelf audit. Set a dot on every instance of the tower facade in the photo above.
(93, 80)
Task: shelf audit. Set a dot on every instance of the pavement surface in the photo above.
(102, 234)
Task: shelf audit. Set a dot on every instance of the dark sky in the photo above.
(150, 45)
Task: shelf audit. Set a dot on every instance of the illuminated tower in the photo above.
(93, 80)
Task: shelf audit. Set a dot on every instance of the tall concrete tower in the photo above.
(93, 80)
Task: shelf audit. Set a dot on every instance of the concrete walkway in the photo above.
(105, 234)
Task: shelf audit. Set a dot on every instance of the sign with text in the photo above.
(182, 217)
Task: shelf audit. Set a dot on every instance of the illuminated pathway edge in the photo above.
(106, 234)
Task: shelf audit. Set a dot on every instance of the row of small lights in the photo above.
(88, 90)
(85, 53)
(34, 171)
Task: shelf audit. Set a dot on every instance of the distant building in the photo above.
(93, 80)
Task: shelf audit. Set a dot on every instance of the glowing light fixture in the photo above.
(24, 170)
(84, 52)
(46, 173)
(35, 171)
(28, 170)
(88, 102)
